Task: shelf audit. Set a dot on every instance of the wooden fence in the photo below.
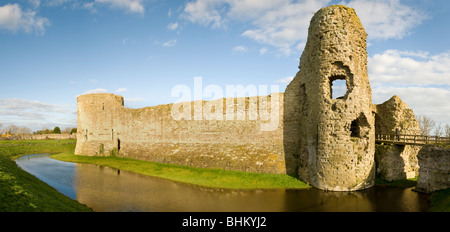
(419, 140)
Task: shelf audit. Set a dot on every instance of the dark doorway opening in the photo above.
(360, 127)
(118, 144)
(354, 128)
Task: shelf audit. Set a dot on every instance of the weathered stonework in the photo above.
(434, 172)
(396, 162)
(395, 114)
(106, 127)
(334, 139)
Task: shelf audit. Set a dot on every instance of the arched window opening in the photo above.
(338, 87)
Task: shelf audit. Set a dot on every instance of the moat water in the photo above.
(110, 190)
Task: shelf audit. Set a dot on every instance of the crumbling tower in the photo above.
(332, 138)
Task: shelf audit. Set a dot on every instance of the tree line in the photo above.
(429, 127)
(14, 130)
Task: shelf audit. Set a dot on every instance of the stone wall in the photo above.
(396, 162)
(434, 172)
(55, 136)
(106, 127)
(333, 139)
(49, 136)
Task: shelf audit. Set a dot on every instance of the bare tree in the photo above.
(447, 130)
(438, 130)
(426, 124)
(12, 129)
(23, 132)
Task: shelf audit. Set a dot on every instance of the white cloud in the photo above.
(170, 43)
(98, 90)
(263, 51)
(120, 90)
(12, 18)
(172, 26)
(204, 12)
(409, 68)
(133, 99)
(419, 79)
(239, 49)
(387, 18)
(285, 80)
(279, 23)
(131, 6)
(89, 6)
(55, 2)
(34, 114)
(284, 24)
(93, 81)
(430, 101)
(35, 3)
(16, 104)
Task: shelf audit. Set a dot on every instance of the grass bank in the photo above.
(23, 192)
(214, 178)
(440, 201)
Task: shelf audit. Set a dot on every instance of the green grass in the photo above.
(16, 148)
(440, 201)
(214, 178)
(21, 191)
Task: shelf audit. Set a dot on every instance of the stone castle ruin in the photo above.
(329, 142)
(334, 138)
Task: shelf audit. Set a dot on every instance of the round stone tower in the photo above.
(333, 138)
(96, 115)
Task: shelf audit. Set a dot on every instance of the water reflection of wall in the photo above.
(325, 201)
(107, 189)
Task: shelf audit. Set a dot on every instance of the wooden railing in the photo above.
(419, 140)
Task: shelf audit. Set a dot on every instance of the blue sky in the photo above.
(51, 51)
